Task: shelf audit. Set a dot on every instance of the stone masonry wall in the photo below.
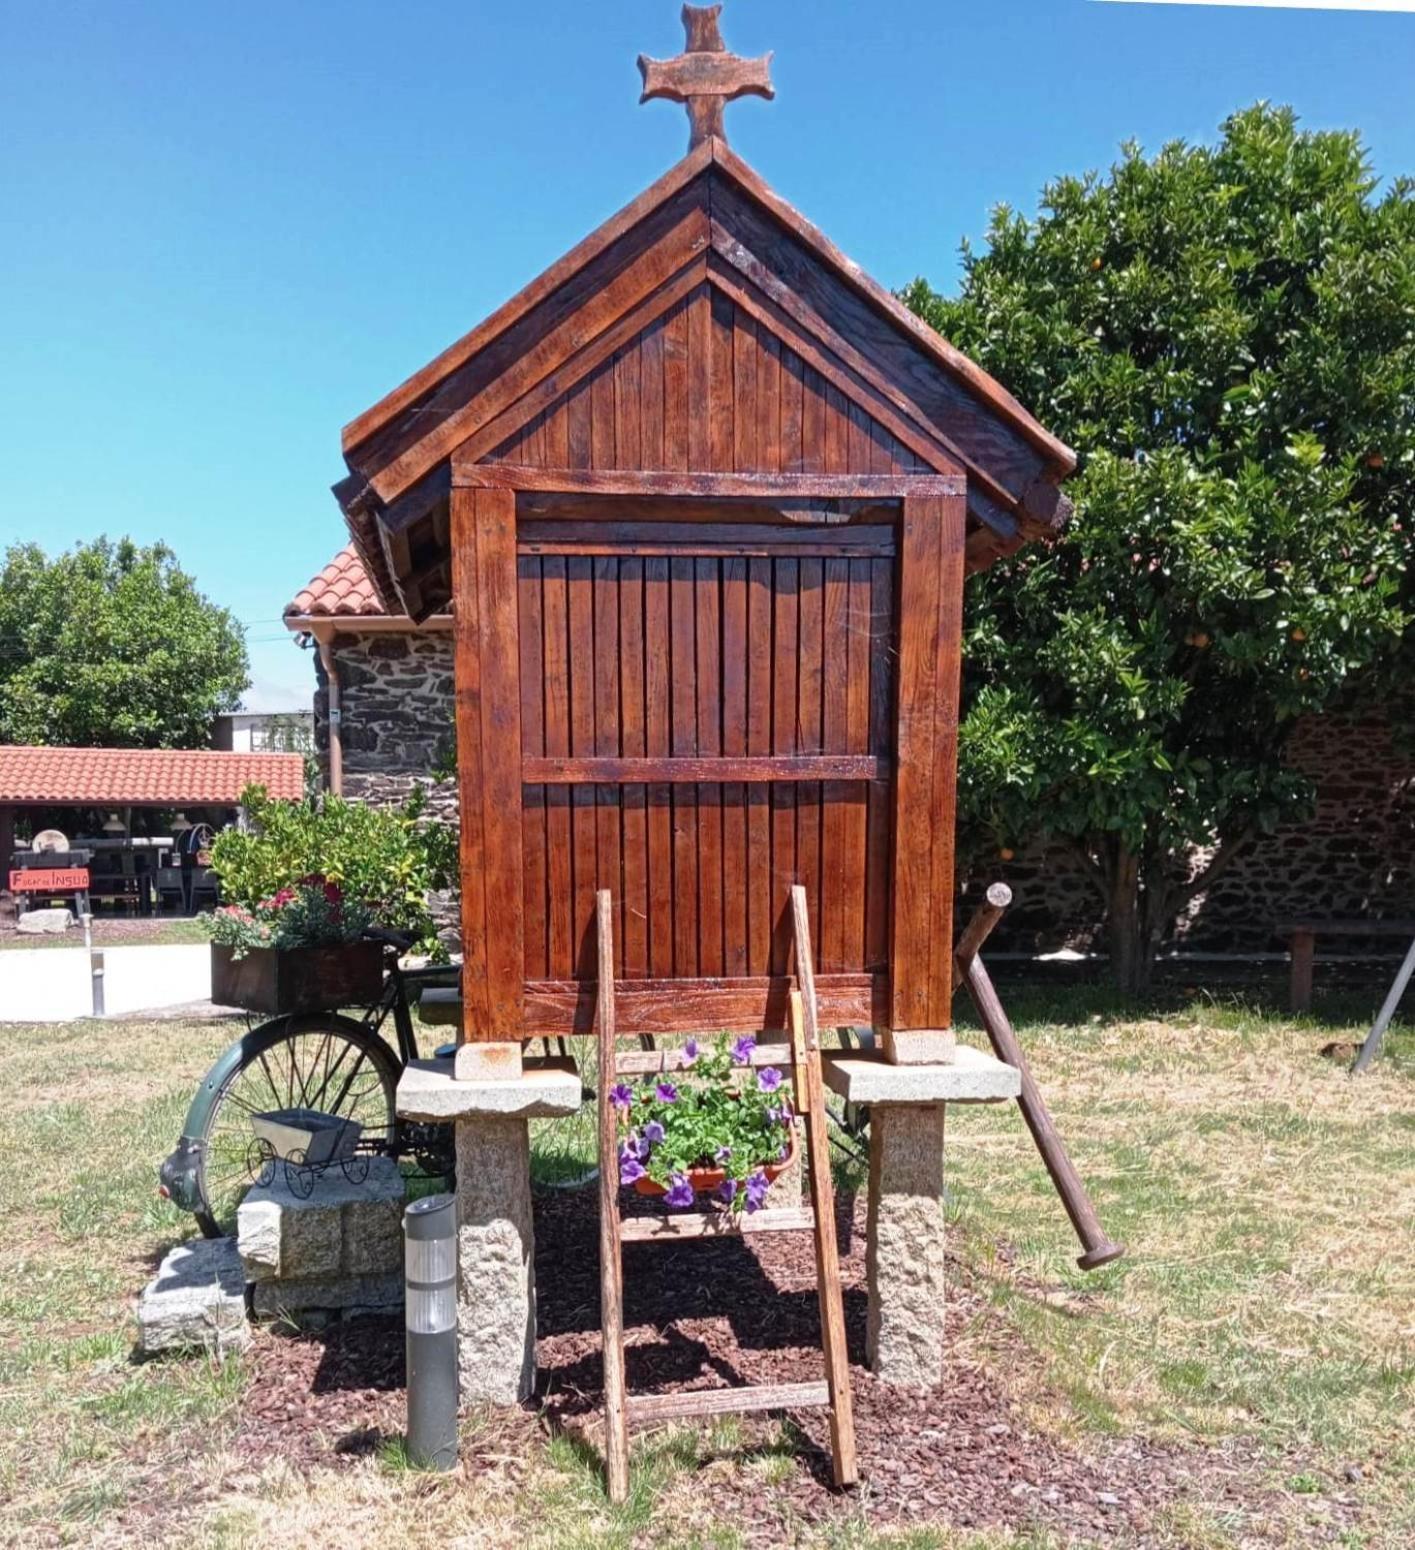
(1356, 855)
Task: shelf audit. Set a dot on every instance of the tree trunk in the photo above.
(1130, 961)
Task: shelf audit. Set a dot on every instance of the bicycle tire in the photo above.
(221, 1092)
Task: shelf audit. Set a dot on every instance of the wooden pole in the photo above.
(1099, 1249)
(611, 1273)
(979, 929)
(1383, 1017)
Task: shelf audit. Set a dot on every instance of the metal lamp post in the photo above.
(430, 1302)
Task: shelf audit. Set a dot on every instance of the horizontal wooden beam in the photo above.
(692, 771)
(468, 474)
(665, 1006)
(651, 1062)
(654, 1409)
(719, 1224)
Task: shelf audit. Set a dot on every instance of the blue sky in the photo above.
(227, 229)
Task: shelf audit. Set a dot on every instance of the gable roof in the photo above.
(138, 777)
(709, 220)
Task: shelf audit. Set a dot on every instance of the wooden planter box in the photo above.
(302, 979)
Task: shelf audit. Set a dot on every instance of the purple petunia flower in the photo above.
(773, 1116)
(756, 1191)
(691, 1052)
(666, 1092)
(621, 1096)
(727, 1191)
(680, 1193)
(742, 1050)
(654, 1133)
(643, 1148)
(769, 1080)
(630, 1169)
(724, 1153)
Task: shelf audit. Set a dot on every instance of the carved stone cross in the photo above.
(705, 78)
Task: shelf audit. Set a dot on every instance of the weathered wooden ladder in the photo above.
(803, 1055)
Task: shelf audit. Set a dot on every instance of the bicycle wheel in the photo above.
(320, 1061)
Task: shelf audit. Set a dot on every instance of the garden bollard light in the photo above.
(430, 1275)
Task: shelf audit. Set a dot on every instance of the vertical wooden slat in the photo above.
(628, 409)
(683, 685)
(931, 580)
(651, 397)
(761, 912)
(555, 611)
(611, 1265)
(532, 669)
(633, 799)
(836, 901)
(879, 842)
(579, 427)
(809, 695)
(792, 393)
(603, 410)
(608, 818)
(735, 845)
(489, 756)
(746, 411)
(853, 825)
(657, 704)
(703, 411)
(769, 403)
(720, 406)
(583, 807)
(675, 388)
(709, 697)
(786, 619)
(859, 451)
(813, 432)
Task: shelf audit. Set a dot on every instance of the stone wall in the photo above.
(1355, 856)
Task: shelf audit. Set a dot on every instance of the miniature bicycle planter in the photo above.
(306, 1144)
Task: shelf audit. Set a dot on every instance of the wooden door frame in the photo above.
(499, 1005)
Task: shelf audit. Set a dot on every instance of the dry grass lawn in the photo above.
(1263, 1324)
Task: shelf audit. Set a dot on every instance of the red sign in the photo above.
(40, 880)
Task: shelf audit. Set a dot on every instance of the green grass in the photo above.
(1268, 1201)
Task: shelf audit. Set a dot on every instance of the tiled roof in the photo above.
(341, 590)
(167, 777)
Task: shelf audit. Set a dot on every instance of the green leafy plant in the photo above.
(709, 1119)
(305, 868)
(1223, 334)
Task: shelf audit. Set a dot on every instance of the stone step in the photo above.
(196, 1301)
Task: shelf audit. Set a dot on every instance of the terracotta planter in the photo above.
(705, 1181)
(300, 979)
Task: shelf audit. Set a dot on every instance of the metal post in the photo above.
(95, 968)
(430, 1274)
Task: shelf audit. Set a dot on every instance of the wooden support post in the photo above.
(611, 1271)
(1387, 1011)
(489, 778)
(1303, 951)
(930, 624)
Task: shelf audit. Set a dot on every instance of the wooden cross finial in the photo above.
(705, 78)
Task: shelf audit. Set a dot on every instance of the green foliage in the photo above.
(1223, 333)
(111, 644)
(384, 862)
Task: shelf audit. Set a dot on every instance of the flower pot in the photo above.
(298, 979)
(706, 1181)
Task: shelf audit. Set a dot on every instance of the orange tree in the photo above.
(1225, 336)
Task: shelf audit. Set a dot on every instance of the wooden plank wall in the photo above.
(707, 656)
(645, 408)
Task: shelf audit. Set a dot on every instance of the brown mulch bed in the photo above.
(706, 1314)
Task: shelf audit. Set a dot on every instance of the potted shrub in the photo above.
(303, 884)
(712, 1129)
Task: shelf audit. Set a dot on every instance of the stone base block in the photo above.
(904, 1259)
(488, 1062)
(434, 1091)
(196, 1301)
(919, 1046)
(306, 1302)
(342, 1231)
(496, 1294)
(44, 922)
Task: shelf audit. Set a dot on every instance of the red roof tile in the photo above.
(164, 777)
(341, 590)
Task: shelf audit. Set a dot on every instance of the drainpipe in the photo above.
(324, 642)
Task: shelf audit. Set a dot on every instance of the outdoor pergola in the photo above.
(59, 785)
